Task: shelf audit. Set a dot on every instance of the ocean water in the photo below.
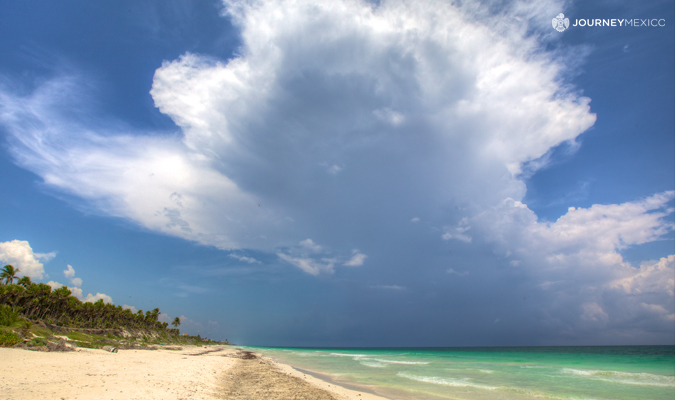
(603, 372)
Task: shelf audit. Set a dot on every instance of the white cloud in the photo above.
(76, 282)
(357, 259)
(582, 237)
(154, 181)
(19, 254)
(46, 257)
(389, 287)
(70, 272)
(645, 293)
(334, 169)
(245, 259)
(415, 219)
(99, 296)
(164, 317)
(55, 285)
(77, 292)
(458, 232)
(313, 258)
(651, 277)
(457, 235)
(462, 101)
(309, 245)
(577, 259)
(133, 309)
(311, 266)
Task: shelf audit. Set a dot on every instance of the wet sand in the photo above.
(264, 378)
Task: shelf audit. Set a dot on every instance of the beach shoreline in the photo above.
(193, 372)
(323, 381)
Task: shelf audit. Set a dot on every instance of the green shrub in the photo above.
(8, 339)
(7, 316)
(79, 336)
(38, 342)
(40, 331)
(25, 330)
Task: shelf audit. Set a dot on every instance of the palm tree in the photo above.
(25, 282)
(8, 274)
(176, 322)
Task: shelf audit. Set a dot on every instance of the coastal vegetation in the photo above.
(32, 313)
(8, 274)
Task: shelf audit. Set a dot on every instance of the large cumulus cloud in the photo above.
(20, 255)
(575, 267)
(331, 114)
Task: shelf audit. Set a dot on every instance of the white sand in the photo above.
(140, 374)
(97, 374)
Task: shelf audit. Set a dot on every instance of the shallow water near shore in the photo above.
(602, 372)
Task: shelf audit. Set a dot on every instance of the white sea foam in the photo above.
(628, 378)
(348, 355)
(464, 382)
(401, 362)
(486, 371)
(303, 354)
(540, 395)
(372, 364)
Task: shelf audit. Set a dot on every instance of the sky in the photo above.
(347, 173)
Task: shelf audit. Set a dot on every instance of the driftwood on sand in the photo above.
(61, 345)
(111, 349)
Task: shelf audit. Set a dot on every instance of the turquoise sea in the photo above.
(603, 372)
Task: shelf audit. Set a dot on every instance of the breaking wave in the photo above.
(628, 378)
(464, 382)
(372, 364)
(401, 362)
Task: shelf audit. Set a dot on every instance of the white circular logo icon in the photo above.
(560, 23)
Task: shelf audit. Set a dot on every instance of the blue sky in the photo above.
(350, 173)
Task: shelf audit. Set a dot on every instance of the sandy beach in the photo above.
(192, 372)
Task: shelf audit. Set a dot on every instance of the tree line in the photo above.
(37, 301)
